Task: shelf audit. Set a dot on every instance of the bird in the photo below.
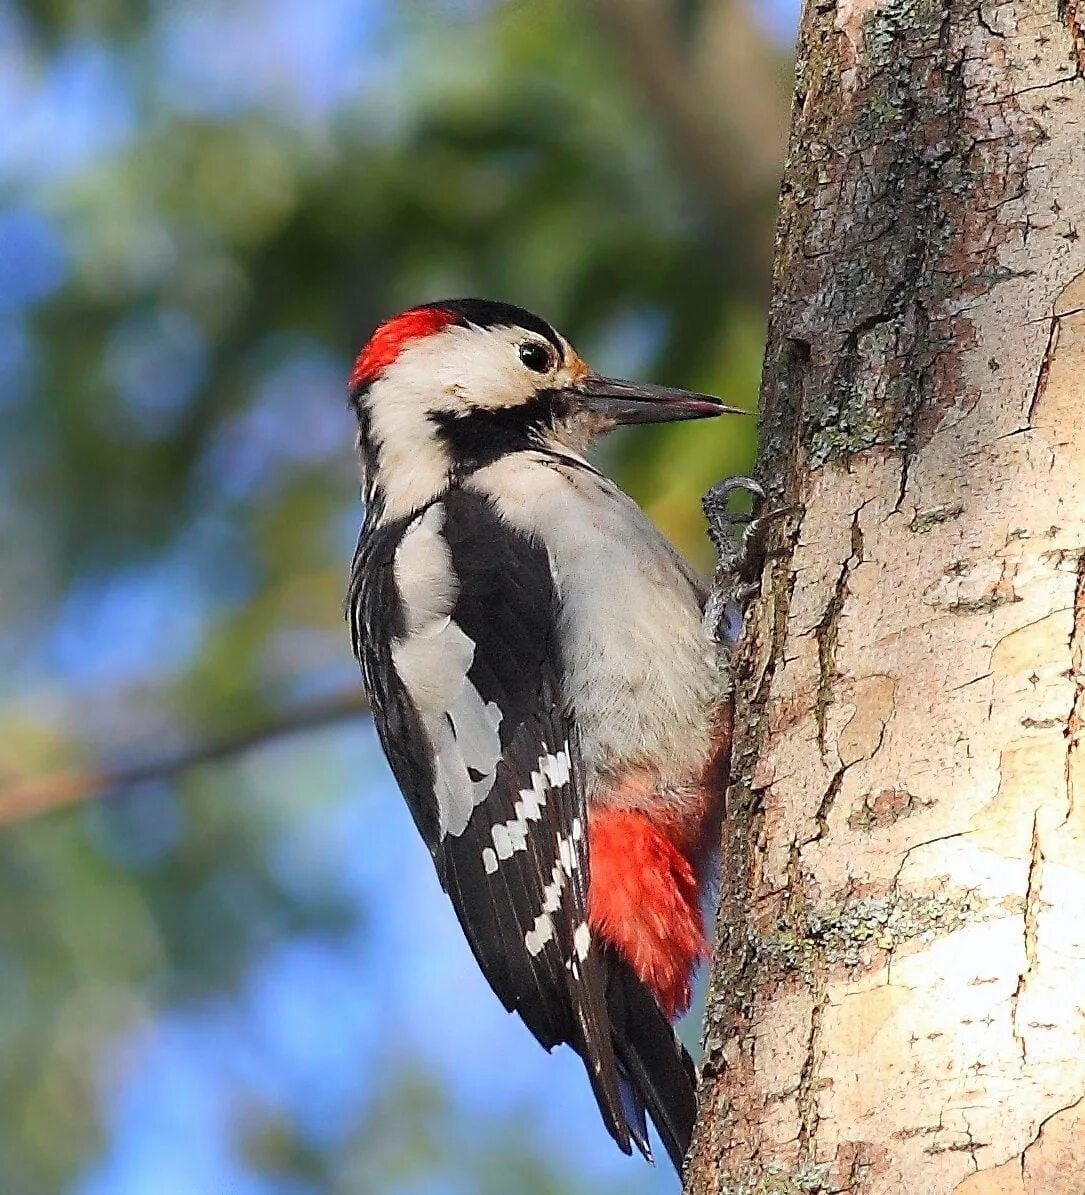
(543, 687)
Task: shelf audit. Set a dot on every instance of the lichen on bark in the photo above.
(900, 151)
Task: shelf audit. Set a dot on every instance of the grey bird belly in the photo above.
(640, 671)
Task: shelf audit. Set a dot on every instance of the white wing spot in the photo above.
(582, 940)
(502, 841)
(539, 934)
(552, 891)
(489, 861)
(556, 767)
(567, 857)
(530, 805)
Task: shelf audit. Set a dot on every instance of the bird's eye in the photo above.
(536, 356)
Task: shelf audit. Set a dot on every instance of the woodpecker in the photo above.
(543, 687)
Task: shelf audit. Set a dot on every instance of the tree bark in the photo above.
(898, 992)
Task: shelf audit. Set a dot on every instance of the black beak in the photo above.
(640, 402)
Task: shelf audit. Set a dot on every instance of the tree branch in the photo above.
(44, 794)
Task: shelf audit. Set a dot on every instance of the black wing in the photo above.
(454, 618)
(494, 779)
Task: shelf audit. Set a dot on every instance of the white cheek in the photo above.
(490, 381)
(483, 369)
(469, 367)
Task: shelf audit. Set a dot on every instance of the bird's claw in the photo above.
(745, 557)
(720, 518)
(740, 557)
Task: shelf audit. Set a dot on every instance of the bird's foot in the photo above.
(740, 554)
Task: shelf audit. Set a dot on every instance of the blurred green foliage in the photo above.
(179, 494)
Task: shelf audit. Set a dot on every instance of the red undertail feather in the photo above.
(386, 343)
(643, 899)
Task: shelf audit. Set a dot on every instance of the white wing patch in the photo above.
(422, 568)
(432, 659)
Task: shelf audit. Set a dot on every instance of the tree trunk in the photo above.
(898, 993)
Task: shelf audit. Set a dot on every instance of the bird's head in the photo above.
(448, 387)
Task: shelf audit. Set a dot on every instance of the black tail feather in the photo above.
(655, 1072)
(633, 1110)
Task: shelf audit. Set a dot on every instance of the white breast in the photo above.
(641, 674)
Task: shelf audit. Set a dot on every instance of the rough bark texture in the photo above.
(898, 997)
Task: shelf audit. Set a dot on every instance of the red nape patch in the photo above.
(643, 901)
(385, 344)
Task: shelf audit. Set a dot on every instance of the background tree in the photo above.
(897, 996)
(225, 977)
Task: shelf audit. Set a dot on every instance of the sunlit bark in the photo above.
(898, 993)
